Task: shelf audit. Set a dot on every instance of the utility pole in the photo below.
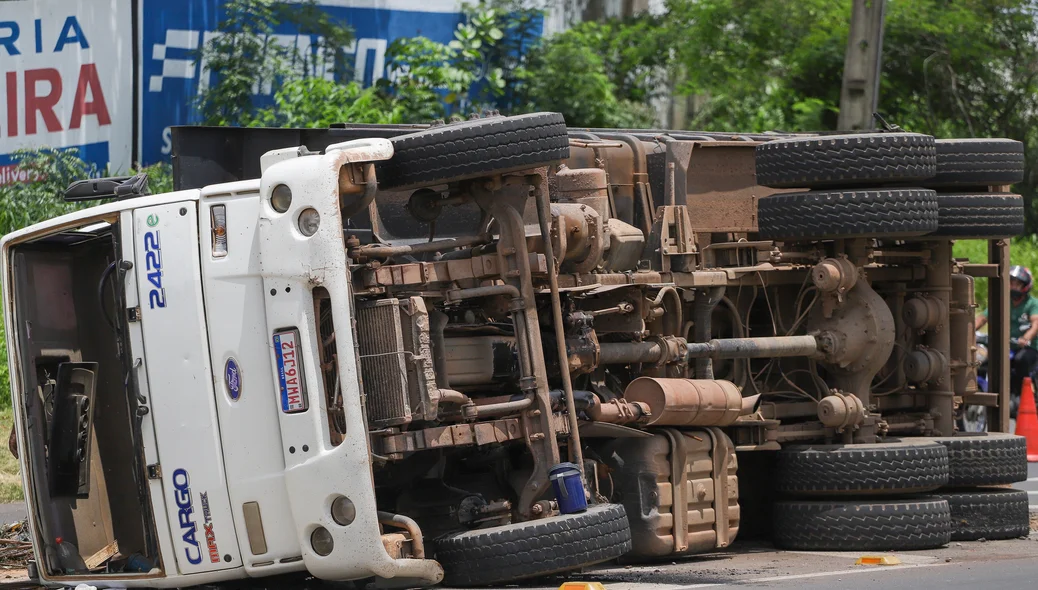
(861, 65)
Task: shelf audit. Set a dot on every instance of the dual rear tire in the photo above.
(900, 496)
(889, 185)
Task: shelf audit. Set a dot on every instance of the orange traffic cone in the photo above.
(1027, 420)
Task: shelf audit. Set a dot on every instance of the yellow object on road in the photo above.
(878, 560)
(582, 586)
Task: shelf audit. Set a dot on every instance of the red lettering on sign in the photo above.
(12, 104)
(88, 81)
(45, 104)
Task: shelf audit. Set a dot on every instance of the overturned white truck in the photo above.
(501, 348)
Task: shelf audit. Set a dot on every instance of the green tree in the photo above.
(247, 54)
(951, 68)
(568, 76)
(317, 102)
(420, 70)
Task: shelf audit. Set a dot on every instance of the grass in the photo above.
(10, 473)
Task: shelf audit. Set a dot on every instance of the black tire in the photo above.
(865, 159)
(978, 162)
(862, 526)
(987, 514)
(985, 460)
(479, 147)
(848, 213)
(891, 468)
(534, 548)
(979, 215)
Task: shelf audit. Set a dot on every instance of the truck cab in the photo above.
(166, 385)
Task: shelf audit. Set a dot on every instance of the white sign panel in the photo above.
(66, 80)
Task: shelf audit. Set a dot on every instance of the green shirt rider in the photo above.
(1023, 328)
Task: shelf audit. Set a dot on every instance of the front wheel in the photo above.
(534, 548)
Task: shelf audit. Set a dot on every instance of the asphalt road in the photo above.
(15, 512)
(995, 564)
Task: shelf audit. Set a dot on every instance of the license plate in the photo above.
(290, 371)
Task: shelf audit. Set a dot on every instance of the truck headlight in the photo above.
(321, 541)
(343, 510)
(309, 221)
(281, 198)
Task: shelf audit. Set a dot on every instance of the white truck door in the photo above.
(180, 382)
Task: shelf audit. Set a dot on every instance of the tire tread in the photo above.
(534, 548)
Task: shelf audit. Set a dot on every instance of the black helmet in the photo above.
(1023, 275)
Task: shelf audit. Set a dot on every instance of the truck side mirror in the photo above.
(115, 187)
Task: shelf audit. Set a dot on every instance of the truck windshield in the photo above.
(76, 392)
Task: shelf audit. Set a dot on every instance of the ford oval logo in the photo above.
(232, 376)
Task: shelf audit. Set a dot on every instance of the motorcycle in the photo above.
(974, 418)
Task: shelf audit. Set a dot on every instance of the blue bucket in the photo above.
(569, 488)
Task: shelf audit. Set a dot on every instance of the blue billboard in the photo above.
(171, 34)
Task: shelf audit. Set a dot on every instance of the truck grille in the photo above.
(383, 362)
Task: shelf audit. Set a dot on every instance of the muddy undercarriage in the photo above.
(640, 305)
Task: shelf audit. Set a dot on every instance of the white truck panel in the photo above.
(182, 405)
(249, 425)
(136, 337)
(317, 473)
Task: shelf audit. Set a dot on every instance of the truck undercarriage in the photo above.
(677, 302)
(513, 306)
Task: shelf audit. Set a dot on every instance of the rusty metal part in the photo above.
(721, 186)
(834, 275)
(488, 291)
(503, 408)
(841, 411)
(348, 186)
(409, 525)
(395, 446)
(924, 365)
(619, 411)
(420, 274)
(690, 402)
(578, 236)
(962, 322)
(668, 305)
(622, 308)
(397, 545)
(762, 347)
(504, 200)
(480, 360)
(543, 214)
(450, 396)
(858, 336)
(584, 186)
(383, 251)
(662, 350)
(923, 313)
(625, 246)
(939, 286)
(702, 313)
(671, 244)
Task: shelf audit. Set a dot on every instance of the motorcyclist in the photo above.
(1023, 326)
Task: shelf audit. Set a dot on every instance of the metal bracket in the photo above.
(154, 471)
(133, 314)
